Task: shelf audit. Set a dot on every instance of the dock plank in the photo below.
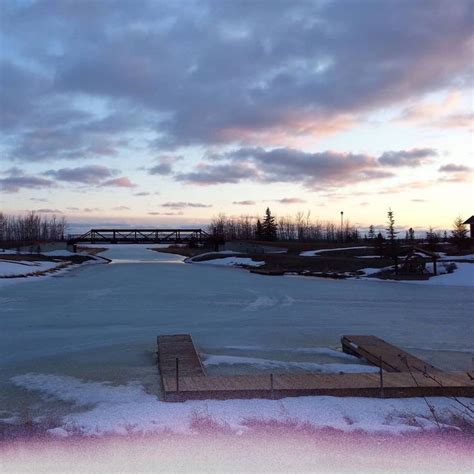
(380, 353)
(181, 347)
(343, 385)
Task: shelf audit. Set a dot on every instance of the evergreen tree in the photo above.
(269, 226)
(411, 234)
(459, 234)
(392, 251)
(459, 229)
(390, 229)
(371, 232)
(258, 230)
(380, 244)
(432, 238)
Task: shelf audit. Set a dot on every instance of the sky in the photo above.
(169, 113)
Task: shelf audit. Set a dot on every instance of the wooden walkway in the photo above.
(339, 385)
(382, 354)
(191, 381)
(181, 347)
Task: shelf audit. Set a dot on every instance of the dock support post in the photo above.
(177, 375)
(381, 378)
(272, 391)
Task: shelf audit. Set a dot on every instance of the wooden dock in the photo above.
(397, 385)
(382, 354)
(183, 376)
(178, 347)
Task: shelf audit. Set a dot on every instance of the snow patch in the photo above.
(213, 360)
(15, 268)
(232, 261)
(312, 253)
(59, 253)
(463, 275)
(260, 303)
(128, 409)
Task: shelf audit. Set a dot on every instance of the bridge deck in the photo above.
(380, 353)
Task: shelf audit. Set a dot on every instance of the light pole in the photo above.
(342, 223)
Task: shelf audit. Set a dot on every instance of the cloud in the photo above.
(223, 77)
(154, 213)
(15, 179)
(245, 203)
(91, 209)
(93, 174)
(454, 173)
(165, 165)
(291, 201)
(122, 182)
(121, 208)
(85, 209)
(418, 200)
(48, 211)
(312, 170)
(444, 113)
(460, 120)
(142, 193)
(38, 199)
(206, 174)
(413, 158)
(453, 168)
(181, 205)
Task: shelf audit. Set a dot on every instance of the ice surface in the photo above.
(99, 323)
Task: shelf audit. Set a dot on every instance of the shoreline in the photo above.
(278, 264)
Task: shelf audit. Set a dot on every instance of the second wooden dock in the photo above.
(382, 354)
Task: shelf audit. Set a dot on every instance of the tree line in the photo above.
(32, 227)
(302, 227)
(271, 228)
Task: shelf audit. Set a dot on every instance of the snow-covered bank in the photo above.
(229, 261)
(22, 271)
(462, 275)
(313, 253)
(102, 408)
(16, 268)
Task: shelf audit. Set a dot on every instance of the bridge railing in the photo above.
(140, 235)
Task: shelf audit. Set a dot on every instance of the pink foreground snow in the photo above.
(270, 448)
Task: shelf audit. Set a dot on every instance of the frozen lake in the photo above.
(99, 323)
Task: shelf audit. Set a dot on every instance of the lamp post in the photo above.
(342, 223)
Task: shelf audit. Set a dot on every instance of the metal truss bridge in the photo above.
(140, 236)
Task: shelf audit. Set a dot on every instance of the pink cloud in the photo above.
(122, 182)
